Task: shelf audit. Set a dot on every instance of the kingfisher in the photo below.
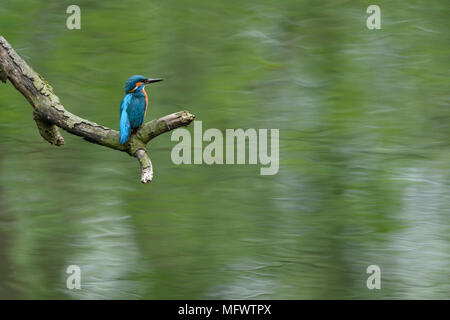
(134, 106)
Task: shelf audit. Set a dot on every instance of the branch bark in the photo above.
(49, 114)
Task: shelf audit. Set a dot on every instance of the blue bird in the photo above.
(134, 106)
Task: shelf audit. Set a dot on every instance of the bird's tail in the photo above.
(125, 127)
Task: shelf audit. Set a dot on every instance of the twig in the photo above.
(49, 114)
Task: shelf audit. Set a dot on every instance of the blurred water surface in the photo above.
(364, 123)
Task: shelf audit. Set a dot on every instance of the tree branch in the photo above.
(48, 131)
(49, 114)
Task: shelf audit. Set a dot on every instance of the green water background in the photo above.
(364, 120)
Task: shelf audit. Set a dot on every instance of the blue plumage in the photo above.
(134, 106)
(125, 125)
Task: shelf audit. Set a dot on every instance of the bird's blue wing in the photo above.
(125, 127)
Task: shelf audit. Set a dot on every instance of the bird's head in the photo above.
(137, 83)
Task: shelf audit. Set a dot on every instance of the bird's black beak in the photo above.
(153, 80)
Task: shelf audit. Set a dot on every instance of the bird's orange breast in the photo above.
(146, 102)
